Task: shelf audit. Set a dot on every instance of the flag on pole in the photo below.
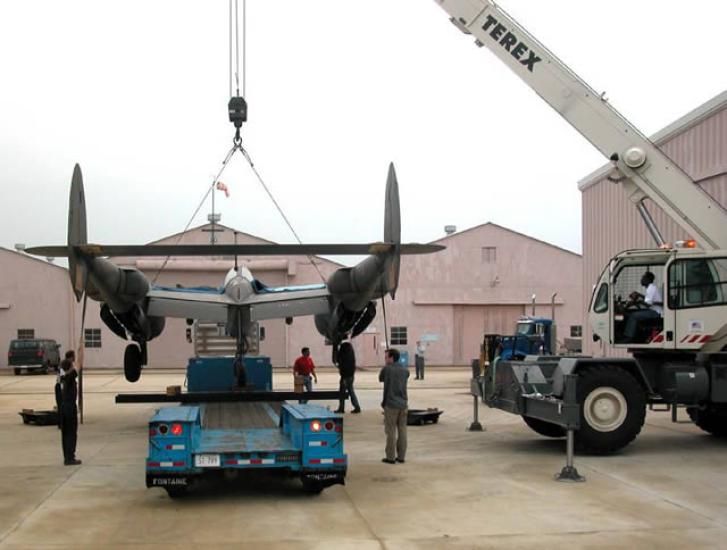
(222, 187)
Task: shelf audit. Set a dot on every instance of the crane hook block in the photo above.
(237, 108)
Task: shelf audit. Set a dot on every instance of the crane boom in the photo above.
(646, 171)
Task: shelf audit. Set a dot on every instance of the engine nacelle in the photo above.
(120, 287)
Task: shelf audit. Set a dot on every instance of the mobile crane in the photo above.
(677, 359)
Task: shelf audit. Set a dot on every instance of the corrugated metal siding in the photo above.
(612, 224)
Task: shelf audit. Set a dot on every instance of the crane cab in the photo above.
(692, 314)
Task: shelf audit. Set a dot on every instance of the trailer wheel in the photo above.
(613, 409)
(16, 371)
(312, 487)
(712, 420)
(544, 428)
(176, 491)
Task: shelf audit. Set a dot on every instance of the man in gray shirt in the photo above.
(394, 376)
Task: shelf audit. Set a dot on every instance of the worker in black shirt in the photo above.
(346, 363)
(68, 409)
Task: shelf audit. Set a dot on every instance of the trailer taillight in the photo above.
(163, 429)
(315, 426)
(329, 426)
(152, 432)
(177, 429)
(40, 353)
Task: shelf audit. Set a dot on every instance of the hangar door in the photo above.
(472, 322)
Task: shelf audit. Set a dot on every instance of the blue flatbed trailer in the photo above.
(231, 431)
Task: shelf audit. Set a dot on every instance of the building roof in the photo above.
(679, 126)
(243, 234)
(33, 258)
(517, 233)
(207, 225)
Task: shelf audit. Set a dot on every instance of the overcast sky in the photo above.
(136, 92)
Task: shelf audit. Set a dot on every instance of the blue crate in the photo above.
(218, 373)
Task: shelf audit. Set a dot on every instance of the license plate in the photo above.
(207, 461)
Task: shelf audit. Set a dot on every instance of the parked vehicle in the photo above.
(36, 354)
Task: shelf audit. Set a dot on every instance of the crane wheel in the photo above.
(613, 409)
(544, 428)
(712, 419)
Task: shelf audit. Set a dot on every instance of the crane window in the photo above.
(697, 282)
(600, 304)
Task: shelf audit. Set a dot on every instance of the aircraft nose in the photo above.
(238, 289)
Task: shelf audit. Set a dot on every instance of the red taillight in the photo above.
(40, 353)
(152, 431)
(329, 426)
(163, 429)
(177, 429)
(315, 426)
(178, 463)
(339, 428)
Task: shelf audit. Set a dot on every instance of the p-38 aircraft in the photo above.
(135, 309)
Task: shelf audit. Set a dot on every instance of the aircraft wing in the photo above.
(213, 305)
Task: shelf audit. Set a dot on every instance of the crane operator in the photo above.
(653, 301)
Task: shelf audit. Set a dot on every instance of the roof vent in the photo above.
(449, 229)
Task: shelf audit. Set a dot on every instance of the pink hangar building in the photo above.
(697, 142)
(481, 283)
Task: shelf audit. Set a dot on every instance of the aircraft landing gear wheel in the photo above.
(544, 428)
(132, 363)
(613, 409)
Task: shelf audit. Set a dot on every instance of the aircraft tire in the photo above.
(132, 363)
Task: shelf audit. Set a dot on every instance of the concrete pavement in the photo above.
(457, 489)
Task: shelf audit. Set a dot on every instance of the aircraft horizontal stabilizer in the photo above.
(97, 250)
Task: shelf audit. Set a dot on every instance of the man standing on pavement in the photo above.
(346, 363)
(68, 409)
(419, 360)
(394, 376)
(304, 367)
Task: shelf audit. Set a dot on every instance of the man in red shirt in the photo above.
(304, 367)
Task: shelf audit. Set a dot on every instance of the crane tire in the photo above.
(612, 409)
(712, 419)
